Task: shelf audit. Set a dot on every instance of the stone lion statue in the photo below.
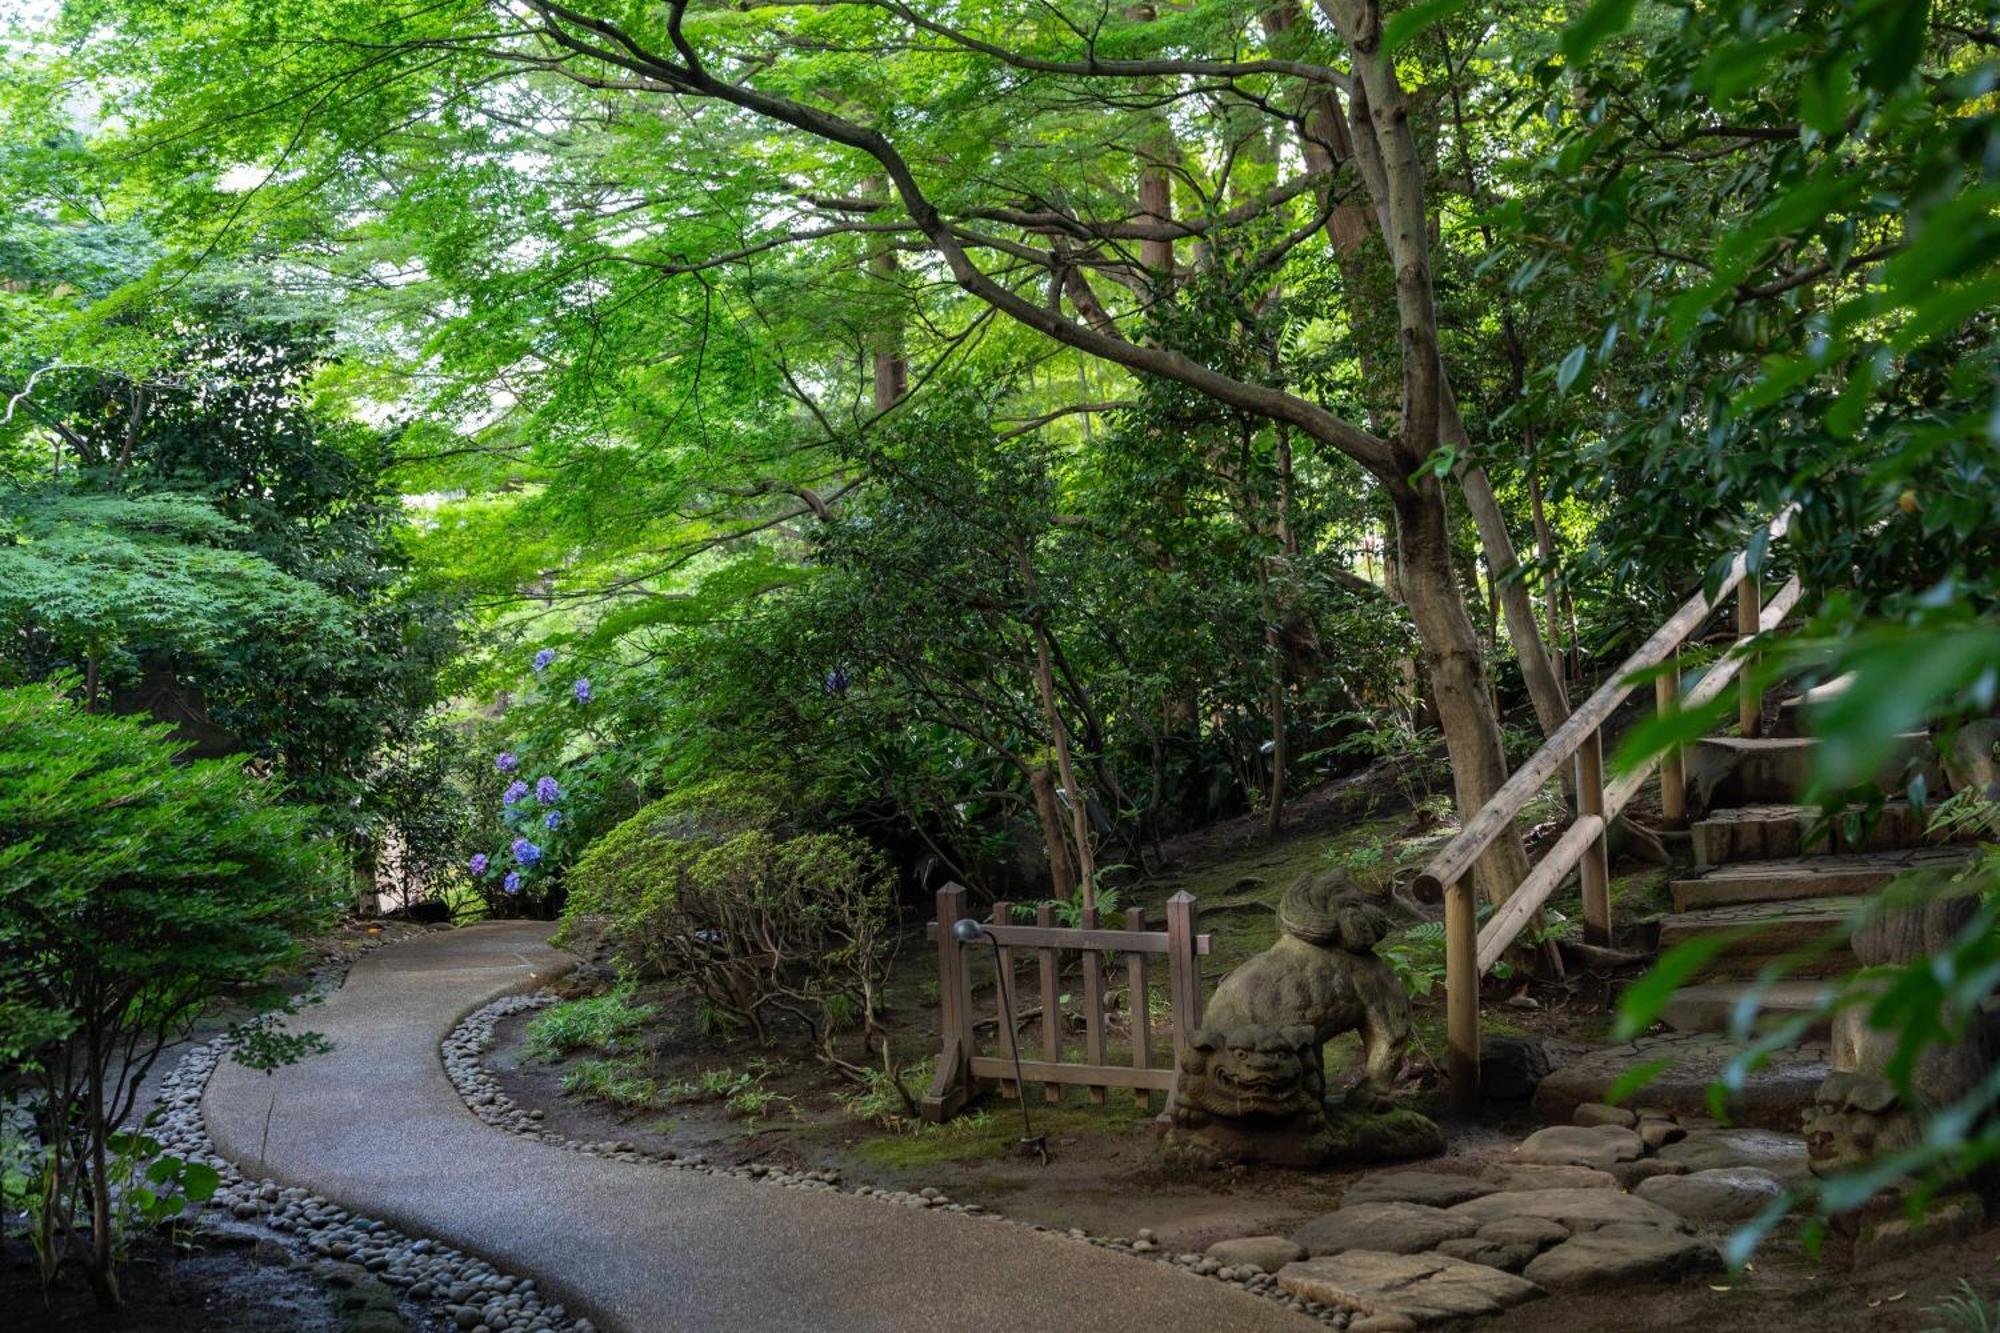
(1323, 975)
(1251, 1093)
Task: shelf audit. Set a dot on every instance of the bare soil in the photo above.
(171, 1289)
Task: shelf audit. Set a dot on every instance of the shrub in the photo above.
(133, 891)
(766, 922)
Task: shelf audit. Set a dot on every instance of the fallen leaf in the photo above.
(1714, 1286)
(1899, 1296)
(1874, 1305)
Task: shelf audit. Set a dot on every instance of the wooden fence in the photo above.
(1470, 951)
(963, 1070)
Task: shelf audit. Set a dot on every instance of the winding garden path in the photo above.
(376, 1126)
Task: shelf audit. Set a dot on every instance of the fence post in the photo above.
(951, 1083)
(1749, 699)
(1051, 969)
(1093, 1003)
(1142, 1019)
(1595, 868)
(1673, 775)
(1004, 997)
(1461, 985)
(1183, 971)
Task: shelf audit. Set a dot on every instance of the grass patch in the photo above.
(992, 1129)
(608, 1023)
(615, 1082)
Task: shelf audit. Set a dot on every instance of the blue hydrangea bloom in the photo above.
(552, 819)
(512, 883)
(515, 791)
(506, 761)
(543, 658)
(546, 791)
(478, 863)
(582, 690)
(525, 852)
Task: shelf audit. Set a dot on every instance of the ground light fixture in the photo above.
(968, 931)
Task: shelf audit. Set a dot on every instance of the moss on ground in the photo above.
(991, 1129)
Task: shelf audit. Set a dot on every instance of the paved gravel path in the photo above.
(375, 1126)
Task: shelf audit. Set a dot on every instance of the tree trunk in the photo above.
(1062, 879)
(1458, 682)
(891, 368)
(1045, 684)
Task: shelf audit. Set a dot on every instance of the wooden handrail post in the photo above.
(1183, 971)
(1750, 699)
(1595, 868)
(1673, 774)
(1461, 986)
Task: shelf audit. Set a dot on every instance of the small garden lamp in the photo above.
(968, 931)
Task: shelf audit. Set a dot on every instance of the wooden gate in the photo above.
(963, 1069)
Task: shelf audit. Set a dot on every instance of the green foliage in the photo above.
(605, 1023)
(1964, 1311)
(710, 887)
(133, 891)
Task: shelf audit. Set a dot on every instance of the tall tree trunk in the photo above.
(1045, 684)
(1062, 878)
(891, 368)
(1156, 183)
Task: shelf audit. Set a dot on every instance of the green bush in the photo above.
(134, 890)
(709, 886)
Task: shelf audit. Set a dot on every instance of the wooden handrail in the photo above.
(1501, 808)
(1561, 858)
(1469, 951)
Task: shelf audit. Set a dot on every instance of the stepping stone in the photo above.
(1526, 1176)
(1508, 1244)
(1621, 1255)
(1631, 1175)
(1783, 1155)
(1539, 1232)
(1657, 1133)
(1598, 1146)
(1266, 1254)
(1723, 1194)
(1575, 1210)
(1393, 1228)
(1592, 1114)
(1423, 1288)
(1432, 1188)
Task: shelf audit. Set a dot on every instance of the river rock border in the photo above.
(463, 1051)
(473, 1294)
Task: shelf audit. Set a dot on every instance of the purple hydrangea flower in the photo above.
(552, 819)
(543, 658)
(478, 863)
(512, 883)
(515, 791)
(506, 761)
(525, 852)
(582, 690)
(546, 791)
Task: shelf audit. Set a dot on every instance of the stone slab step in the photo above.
(1769, 831)
(1771, 930)
(1784, 879)
(1709, 1006)
(1737, 770)
(1772, 1097)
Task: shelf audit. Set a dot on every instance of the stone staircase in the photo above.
(1779, 871)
